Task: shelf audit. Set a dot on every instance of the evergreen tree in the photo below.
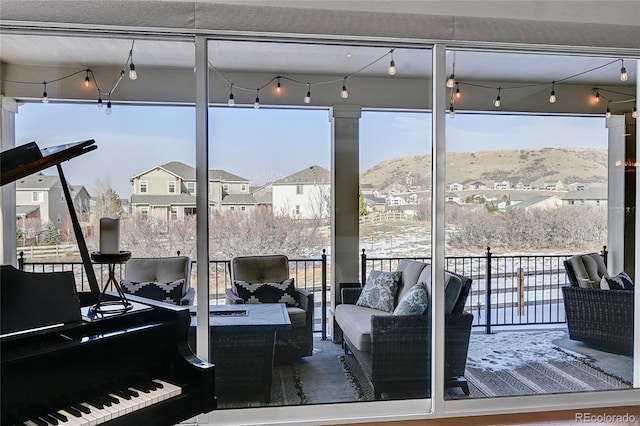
(50, 235)
(363, 205)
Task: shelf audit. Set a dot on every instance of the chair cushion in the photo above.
(297, 316)
(355, 323)
(380, 290)
(170, 292)
(414, 302)
(276, 292)
(621, 281)
(588, 269)
(452, 289)
(159, 269)
(260, 269)
(411, 271)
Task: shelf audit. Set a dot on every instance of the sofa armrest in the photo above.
(304, 299)
(350, 295)
(232, 298)
(400, 347)
(187, 299)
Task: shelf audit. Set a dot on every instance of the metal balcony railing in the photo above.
(506, 290)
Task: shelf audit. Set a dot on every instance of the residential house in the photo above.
(452, 197)
(477, 185)
(395, 200)
(40, 196)
(168, 192)
(305, 194)
(524, 186)
(554, 186)
(576, 186)
(456, 187)
(596, 197)
(541, 202)
(505, 184)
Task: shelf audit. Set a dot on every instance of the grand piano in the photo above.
(62, 366)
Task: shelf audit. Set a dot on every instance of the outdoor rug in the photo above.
(286, 389)
(512, 363)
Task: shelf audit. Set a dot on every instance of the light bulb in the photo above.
(451, 81)
(108, 111)
(497, 102)
(608, 113)
(634, 112)
(344, 94)
(623, 74)
(597, 96)
(45, 97)
(458, 94)
(392, 67)
(452, 112)
(132, 72)
(278, 87)
(87, 80)
(552, 97)
(99, 103)
(256, 104)
(232, 101)
(307, 98)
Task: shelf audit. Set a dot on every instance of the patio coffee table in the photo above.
(242, 341)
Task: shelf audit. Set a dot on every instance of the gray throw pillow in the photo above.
(380, 290)
(414, 302)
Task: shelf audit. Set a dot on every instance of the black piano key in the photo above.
(81, 407)
(158, 384)
(49, 419)
(71, 410)
(39, 421)
(54, 412)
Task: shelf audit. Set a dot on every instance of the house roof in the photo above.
(238, 199)
(530, 202)
(310, 175)
(186, 172)
(26, 210)
(586, 194)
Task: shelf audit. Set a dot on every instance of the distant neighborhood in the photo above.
(168, 192)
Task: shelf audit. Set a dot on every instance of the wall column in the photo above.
(9, 109)
(345, 187)
(616, 211)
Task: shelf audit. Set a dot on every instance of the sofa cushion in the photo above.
(355, 323)
(425, 277)
(452, 289)
(276, 292)
(621, 281)
(414, 302)
(159, 269)
(165, 292)
(588, 269)
(410, 273)
(380, 290)
(297, 316)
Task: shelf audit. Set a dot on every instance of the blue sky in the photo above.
(266, 144)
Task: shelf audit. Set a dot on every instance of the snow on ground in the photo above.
(510, 350)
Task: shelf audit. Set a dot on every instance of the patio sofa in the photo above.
(597, 315)
(394, 350)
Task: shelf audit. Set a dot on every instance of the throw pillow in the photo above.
(165, 292)
(414, 302)
(622, 281)
(380, 290)
(283, 292)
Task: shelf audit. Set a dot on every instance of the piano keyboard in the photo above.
(99, 407)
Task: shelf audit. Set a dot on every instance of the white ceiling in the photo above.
(316, 59)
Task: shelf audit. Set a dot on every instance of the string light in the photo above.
(392, 65)
(99, 102)
(452, 111)
(623, 72)
(497, 102)
(344, 94)
(634, 111)
(278, 87)
(132, 68)
(451, 82)
(608, 113)
(232, 101)
(108, 110)
(256, 104)
(307, 98)
(597, 95)
(87, 80)
(552, 97)
(45, 97)
(458, 94)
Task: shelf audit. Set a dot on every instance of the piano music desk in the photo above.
(242, 340)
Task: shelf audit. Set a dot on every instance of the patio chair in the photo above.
(290, 344)
(166, 279)
(600, 318)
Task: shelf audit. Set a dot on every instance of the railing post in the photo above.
(324, 294)
(605, 255)
(363, 268)
(21, 261)
(520, 291)
(488, 292)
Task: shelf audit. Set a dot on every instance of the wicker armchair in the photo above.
(400, 356)
(293, 343)
(602, 319)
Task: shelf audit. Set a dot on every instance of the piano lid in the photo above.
(27, 159)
